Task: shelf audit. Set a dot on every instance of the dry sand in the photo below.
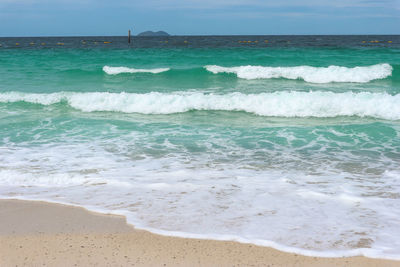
(34, 233)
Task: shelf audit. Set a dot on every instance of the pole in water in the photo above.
(129, 36)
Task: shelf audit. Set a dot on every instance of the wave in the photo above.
(308, 73)
(277, 104)
(119, 70)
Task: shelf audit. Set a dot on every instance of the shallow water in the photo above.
(292, 143)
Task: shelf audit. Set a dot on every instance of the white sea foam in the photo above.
(279, 104)
(118, 70)
(232, 203)
(308, 73)
(297, 199)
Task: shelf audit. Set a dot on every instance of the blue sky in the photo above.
(198, 17)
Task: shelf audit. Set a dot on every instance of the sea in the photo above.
(291, 142)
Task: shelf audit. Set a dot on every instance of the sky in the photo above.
(198, 17)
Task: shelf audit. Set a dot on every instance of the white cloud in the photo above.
(209, 4)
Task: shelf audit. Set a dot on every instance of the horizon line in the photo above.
(200, 35)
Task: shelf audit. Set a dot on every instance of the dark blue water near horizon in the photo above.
(212, 41)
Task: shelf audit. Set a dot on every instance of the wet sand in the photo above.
(34, 233)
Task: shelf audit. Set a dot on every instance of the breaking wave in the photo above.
(119, 70)
(279, 104)
(308, 73)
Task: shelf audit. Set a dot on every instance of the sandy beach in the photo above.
(34, 233)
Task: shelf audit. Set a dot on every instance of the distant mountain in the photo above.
(151, 33)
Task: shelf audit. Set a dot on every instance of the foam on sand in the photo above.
(308, 73)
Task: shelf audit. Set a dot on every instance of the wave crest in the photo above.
(119, 70)
(278, 104)
(308, 73)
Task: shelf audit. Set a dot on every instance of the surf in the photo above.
(118, 70)
(309, 74)
(289, 104)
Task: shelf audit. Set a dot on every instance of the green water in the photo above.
(80, 70)
(215, 154)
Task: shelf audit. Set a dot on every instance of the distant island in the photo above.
(151, 33)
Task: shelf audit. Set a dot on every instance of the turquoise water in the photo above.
(294, 147)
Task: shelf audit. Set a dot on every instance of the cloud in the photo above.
(285, 8)
(211, 4)
(216, 4)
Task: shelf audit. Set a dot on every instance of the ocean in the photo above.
(291, 142)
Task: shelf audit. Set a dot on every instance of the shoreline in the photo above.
(44, 233)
